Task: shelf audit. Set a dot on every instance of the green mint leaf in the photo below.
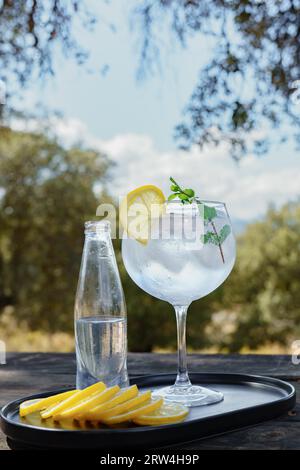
(187, 196)
(224, 232)
(211, 237)
(189, 192)
(209, 212)
(183, 197)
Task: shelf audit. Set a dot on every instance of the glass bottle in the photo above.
(100, 312)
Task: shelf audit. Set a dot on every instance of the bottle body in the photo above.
(100, 313)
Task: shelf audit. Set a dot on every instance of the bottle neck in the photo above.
(99, 291)
(95, 227)
(98, 239)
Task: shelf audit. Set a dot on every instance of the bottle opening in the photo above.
(96, 226)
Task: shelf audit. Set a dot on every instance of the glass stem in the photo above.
(182, 379)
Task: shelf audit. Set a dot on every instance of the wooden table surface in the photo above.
(28, 373)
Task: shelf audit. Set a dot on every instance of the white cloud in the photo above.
(71, 130)
(247, 188)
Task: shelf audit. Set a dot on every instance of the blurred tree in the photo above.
(264, 288)
(46, 195)
(252, 79)
(250, 82)
(29, 31)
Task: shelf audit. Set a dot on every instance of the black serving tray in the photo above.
(247, 400)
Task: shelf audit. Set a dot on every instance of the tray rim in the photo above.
(12, 428)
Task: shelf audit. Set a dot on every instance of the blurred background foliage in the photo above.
(258, 42)
(47, 192)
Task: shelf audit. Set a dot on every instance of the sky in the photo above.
(133, 121)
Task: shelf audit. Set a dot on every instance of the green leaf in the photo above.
(224, 232)
(215, 239)
(189, 192)
(211, 237)
(172, 196)
(183, 197)
(209, 212)
(174, 187)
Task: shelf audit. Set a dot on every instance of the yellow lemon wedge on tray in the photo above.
(30, 406)
(57, 409)
(121, 397)
(139, 410)
(98, 405)
(138, 208)
(89, 402)
(166, 414)
(139, 400)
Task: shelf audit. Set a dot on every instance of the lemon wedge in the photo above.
(166, 414)
(30, 406)
(121, 397)
(57, 409)
(138, 208)
(128, 405)
(88, 403)
(139, 410)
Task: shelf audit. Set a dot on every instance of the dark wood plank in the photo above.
(32, 372)
(146, 363)
(27, 373)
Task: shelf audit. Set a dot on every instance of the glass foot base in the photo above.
(192, 395)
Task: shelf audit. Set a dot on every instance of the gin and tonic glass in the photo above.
(190, 252)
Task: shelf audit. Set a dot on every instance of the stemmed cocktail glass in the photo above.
(190, 252)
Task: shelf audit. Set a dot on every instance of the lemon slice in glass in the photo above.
(138, 208)
(166, 414)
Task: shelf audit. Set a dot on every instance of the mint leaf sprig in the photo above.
(187, 196)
